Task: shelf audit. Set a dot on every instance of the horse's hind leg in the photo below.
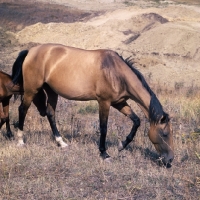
(52, 99)
(5, 118)
(40, 101)
(23, 108)
(126, 110)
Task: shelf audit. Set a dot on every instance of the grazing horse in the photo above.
(49, 70)
(7, 89)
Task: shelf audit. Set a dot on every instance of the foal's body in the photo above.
(50, 70)
(6, 92)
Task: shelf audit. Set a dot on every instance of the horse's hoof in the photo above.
(21, 145)
(64, 148)
(11, 138)
(120, 146)
(108, 160)
(63, 145)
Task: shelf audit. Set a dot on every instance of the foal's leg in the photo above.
(52, 99)
(5, 118)
(126, 110)
(104, 108)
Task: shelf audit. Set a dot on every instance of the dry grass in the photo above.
(43, 171)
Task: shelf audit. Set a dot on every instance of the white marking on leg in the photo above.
(20, 138)
(60, 141)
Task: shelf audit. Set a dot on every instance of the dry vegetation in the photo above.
(43, 171)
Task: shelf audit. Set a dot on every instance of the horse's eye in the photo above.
(164, 134)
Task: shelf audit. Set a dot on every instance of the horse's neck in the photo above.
(140, 95)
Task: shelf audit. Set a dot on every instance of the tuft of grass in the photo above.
(92, 108)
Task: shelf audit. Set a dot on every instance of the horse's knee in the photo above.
(137, 122)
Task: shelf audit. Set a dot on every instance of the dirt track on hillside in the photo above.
(164, 39)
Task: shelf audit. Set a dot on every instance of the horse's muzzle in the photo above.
(167, 160)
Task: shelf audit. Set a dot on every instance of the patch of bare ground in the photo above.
(164, 43)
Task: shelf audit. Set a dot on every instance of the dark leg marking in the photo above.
(126, 110)
(6, 119)
(104, 108)
(51, 102)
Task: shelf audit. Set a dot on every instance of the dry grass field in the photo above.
(43, 171)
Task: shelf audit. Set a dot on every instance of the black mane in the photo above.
(155, 109)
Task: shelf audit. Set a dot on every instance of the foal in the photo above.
(7, 89)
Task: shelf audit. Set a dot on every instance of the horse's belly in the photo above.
(77, 96)
(75, 92)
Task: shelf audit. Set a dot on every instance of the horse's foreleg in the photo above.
(104, 108)
(126, 110)
(6, 119)
(23, 108)
(52, 99)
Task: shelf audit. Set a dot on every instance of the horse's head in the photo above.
(161, 135)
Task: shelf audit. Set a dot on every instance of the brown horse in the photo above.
(50, 70)
(7, 89)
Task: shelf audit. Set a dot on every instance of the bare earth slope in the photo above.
(163, 40)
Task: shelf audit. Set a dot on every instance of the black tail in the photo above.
(17, 77)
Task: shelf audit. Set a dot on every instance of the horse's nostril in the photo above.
(170, 160)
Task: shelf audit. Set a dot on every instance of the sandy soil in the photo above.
(163, 39)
